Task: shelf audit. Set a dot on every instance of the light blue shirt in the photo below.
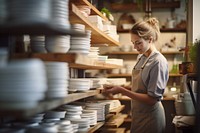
(155, 74)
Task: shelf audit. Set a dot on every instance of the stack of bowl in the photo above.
(28, 12)
(81, 44)
(60, 14)
(57, 44)
(37, 44)
(23, 84)
(57, 75)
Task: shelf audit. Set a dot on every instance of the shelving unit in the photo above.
(98, 36)
(117, 110)
(129, 75)
(49, 104)
(136, 53)
(134, 7)
(96, 127)
(69, 58)
(94, 11)
(162, 30)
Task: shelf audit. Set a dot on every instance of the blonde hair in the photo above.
(146, 29)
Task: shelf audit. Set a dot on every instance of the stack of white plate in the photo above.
(42, 129)
(60, 14)
(79, 84)
(2, 11)
(57, 75)
(29, 11)
(81, 44)
(36, 118)
(54, 115)
(78, 27)
(83, 124)
(95, 83)
(91, 115)
(94, 53)
(85, 10)
(65, 127)
(23, 84)
(72, 111)
(37, 44)
(57, 44)
(99, 107)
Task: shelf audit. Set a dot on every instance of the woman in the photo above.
(149, 79)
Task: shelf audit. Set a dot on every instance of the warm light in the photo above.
(173, 89)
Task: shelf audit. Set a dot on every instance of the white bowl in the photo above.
(57, 49)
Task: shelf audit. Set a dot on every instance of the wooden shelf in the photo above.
(98, 37)
(69, 58)
(129, 75)
(117, 110)
(96, 67)
(175, 75)
(136, 53)
(173, 30)
(96, 127)
(49, 104)
(116, 120)
(135, 8)
(94, 11)
(162, 30)
(113, 130)
(129, 99)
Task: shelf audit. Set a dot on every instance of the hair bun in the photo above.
(153, 21)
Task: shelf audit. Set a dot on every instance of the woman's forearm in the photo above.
(145, 98)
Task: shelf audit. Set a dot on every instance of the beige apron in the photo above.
(145, 118)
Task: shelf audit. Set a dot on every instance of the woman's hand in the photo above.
(113, 90)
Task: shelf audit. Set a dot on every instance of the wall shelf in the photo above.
(117, 110)
(162, 30)
(129, 75)
(94, 11)
(75, 61)
(40, 28)
(98, 36)
(129, 99)
(133, 7)
(49, 104)
(136, 53)
(96, 127)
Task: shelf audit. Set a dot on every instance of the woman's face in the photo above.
(139, 43)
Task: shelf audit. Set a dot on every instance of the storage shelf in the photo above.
(49, 104)
(69, 58)
(42, 28)
(129, 99)
(94, 11)
(129, 75)
(96, 127)
(98, 37)
(135, 8)
(96, 67)
(162, 30)
(117, 110)
(136, 53)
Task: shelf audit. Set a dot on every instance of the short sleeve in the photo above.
(158, 79)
